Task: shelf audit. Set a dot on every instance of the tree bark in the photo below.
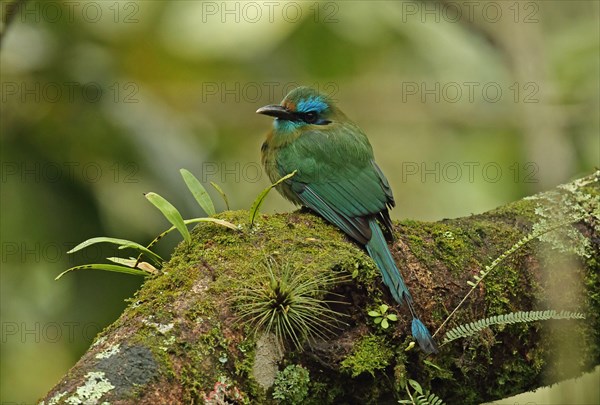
(181, 339)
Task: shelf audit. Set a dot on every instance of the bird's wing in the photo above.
(338, 179)
(384, 184)
(355, 227)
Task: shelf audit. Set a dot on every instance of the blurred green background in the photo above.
(468, 105)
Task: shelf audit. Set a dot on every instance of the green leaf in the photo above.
(378, 320)
(105, 267)
(220, 191)
(416, 386)
(433, 365)
(392, 317)
(199, 192)
(100, 239)
(123, 244)
(171, 213)
(383, 308)
(385, 324)
(153, 256)
(374, 313)
(261, 197)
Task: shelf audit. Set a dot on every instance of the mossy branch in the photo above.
(181, 340)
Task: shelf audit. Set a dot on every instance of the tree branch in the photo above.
(181, 340)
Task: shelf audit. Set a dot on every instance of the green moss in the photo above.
(448, 244)
(500, 288)
(363, 271)
(291, 385)
(325, 393)
(523, 210)
(211, 271)
(371, 353)
(243, 363)
(592, 281)
(592, 297)
(454, 246)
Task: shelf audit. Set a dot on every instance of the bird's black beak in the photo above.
(276, 111)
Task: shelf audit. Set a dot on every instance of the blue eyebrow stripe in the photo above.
(311, 104)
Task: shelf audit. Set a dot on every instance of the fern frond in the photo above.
(429, 399)
(536, 233)
(472, 328)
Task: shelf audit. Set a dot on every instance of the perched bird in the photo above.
(337, 177)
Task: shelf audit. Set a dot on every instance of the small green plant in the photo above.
(138, 267)
(291, 385)
(222, 193)
(261, 197)
(472, 328)
(288, 303)
(418, 396)
(381, 317)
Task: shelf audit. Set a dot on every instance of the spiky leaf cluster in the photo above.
(289, 303)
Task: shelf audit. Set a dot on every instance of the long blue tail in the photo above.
(380, 253)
